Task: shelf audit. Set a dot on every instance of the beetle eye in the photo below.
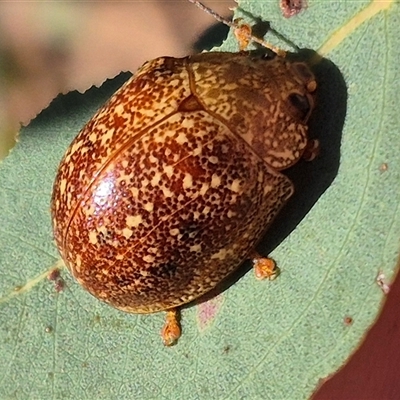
(300, 104)
(268, 55)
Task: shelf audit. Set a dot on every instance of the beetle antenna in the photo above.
(238, 28)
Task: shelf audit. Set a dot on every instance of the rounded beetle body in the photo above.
(169, 187)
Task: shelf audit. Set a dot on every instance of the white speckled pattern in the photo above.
(168, 187)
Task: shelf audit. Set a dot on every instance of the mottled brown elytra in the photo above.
(169, 187)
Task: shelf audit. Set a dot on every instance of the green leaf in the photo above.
(256, 340)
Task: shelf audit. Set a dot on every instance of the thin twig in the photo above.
(235, 25)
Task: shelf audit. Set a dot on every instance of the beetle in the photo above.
(172, 183)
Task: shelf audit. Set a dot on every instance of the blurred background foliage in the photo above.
(47, 48)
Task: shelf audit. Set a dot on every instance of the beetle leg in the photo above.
(312, 150)
(242, 33)
(264, 267)
(171, 330)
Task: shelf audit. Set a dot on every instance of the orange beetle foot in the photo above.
(312, 150)
(171, 330)
(242, 33)
(264, 267)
